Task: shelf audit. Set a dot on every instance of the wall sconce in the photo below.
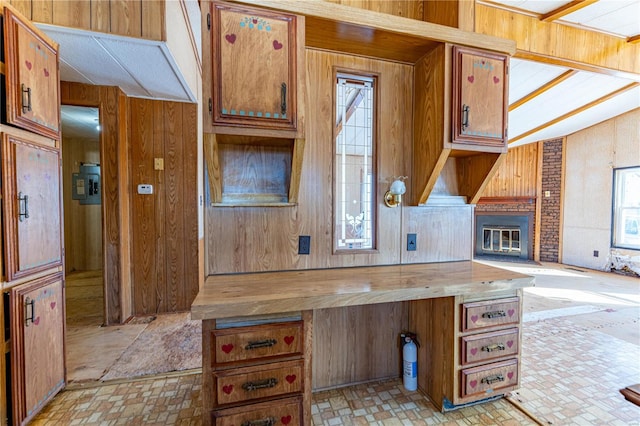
(393, 197)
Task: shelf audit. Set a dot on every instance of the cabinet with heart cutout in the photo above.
(469, 347)
(256, 56)
(256, 370)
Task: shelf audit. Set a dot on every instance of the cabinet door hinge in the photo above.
(209, 21)
(210, 106)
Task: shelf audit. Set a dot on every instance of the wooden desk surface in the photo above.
(236, 295)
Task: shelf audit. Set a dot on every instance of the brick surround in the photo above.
(525, 206)
(551, 208)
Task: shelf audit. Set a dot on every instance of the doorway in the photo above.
(82, 200)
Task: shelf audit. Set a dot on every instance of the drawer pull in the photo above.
(493, 347)
(261, 384)
(267, 343)
(492, 379)
(269, 421)
(494, 314)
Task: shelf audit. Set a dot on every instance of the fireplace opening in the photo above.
(506, 235)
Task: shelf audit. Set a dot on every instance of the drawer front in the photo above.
(246, 384)
(279, 412)
(488, 346)
(490, 313)
(255, 342)
(487, 379)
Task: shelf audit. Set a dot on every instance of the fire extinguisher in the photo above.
(410, 361)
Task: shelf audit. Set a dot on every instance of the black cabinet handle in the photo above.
(283, 99)
(23, 207)
(260, 384)
(494, 314)
(269, 421)
(465, 116)
(26, 105)
(29, 302)
(267, 343)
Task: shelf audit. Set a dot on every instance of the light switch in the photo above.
(158, 163)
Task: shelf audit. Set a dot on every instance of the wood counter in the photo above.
(236, 295)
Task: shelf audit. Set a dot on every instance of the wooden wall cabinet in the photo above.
(470, 347)
(480, 96)
(32, 83)
(31, 191)
(255, 64)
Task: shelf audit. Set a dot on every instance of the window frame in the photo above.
(339, 72)
(616, 215)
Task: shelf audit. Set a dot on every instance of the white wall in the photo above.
(590, 157)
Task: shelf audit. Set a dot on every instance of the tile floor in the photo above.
(581, 344)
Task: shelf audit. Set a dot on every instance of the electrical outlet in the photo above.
(596, 253)
(304, 244)
(412, 243)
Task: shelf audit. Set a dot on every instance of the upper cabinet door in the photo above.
(33, 87)
(480, 84)
(254, 67)
(37, 337)
(31, 207)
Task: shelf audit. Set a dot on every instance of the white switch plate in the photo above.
(145, 188)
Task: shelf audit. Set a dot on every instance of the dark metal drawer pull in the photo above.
(26, 105)
(260, 384)
(494, 314)
(269, 421)
(267, 343)
(465, 116)
(29, 302)
(283, 99)
(23, 206)
(493, 347)
(492, 379)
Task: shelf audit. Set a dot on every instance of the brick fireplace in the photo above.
(505, 227)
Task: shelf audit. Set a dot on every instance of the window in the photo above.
(354, 163)
(626, 208)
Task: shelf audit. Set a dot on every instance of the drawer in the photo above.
(256, 342)
(490, 313)
(280, 412)
(260, 381)
(488, 346)
(486, 380)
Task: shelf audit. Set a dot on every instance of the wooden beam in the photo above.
(634, 39)
(566, 9)
(576, 111)
(540, 90)
(559, 42)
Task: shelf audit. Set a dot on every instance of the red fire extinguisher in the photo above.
(410, 361)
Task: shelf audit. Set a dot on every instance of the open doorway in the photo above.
(82, 191)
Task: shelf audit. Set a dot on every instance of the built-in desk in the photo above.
(454, 307)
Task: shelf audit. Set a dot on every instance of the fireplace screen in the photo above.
(501, 240)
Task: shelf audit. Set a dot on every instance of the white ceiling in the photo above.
(583, 99)
(80, 122)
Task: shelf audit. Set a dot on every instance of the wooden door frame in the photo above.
(112, 105)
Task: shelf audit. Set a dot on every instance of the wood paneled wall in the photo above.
(165, 223)
(251, 239)
(134, 18)
(83, 222)
(406, 8)
(114, 161)
(518, 174)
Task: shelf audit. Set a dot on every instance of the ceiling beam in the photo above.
(559, 41)
(576, 111)
(565, 10)
(634, 39)
(540, 90)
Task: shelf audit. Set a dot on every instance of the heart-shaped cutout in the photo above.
(46, 72)
(511, 312)
(53, 305)
(288, 340)
(277, 45)
(473, 383)
(510, 343)
(28, 64)
(470, 78)
(510, 375)
(227, 348)
(36, 321)
(496, 80)
(231, 38)
(474, 318)
(474, 351)
(285, 419)
(290, 378)
(227, 389)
